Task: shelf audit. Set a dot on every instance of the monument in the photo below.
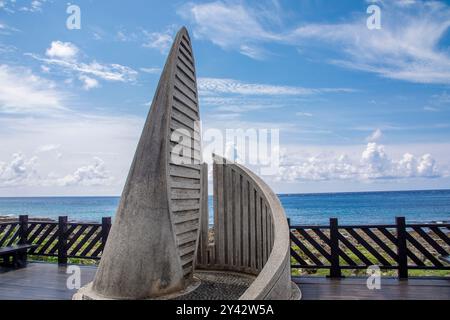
(162, 218)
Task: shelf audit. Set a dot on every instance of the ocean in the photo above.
(349, 208)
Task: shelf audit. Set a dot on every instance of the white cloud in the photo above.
(64, 55)
(230, 26)
(373, 164)
(34, 6)
(62, 50)
(158, 40)
(151, 70)
(89, 83)
(208, 86)
(19, 171)
(304, 114)
(7, 30)
(89, 175)
(375, 136)
(48, 148)
(21, 91)
(406, 48)
(11, 6)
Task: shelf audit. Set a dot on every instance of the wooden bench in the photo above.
(18, 253)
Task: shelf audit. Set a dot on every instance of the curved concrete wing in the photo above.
(251, 233)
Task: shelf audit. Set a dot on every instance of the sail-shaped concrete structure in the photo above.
(163, 220)
(152, 244)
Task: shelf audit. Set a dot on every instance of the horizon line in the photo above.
(278, 194)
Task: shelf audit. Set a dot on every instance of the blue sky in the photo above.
(357, 109)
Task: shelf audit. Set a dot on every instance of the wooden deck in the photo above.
(320, 288)
(45, 281)
(40, 281)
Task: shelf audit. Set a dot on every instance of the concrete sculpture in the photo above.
(162, 218)
(152, 244)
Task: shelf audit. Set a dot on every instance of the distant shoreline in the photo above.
(278, 194)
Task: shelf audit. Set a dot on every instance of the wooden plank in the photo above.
(314, 243)
(305, 250)
(73, 238)
(43, 237)
(440, 234)
(367, 246)
(86, 238)
(414, 258)
(355, 251)
(8, 234)
(430, 241)
(50, 247)
(92, 244)
(380, 243)
(37, 228)
(423, 250)
(298, 258)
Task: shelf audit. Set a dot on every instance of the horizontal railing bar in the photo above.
(309, 227)
(361, 226)
(83, 257)
(427, 225)
(88, 224)
(9, 223)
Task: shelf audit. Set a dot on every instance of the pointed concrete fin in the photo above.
(151, 246)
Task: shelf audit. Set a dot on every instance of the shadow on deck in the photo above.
(45, 281)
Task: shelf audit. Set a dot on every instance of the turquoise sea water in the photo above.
(350, 208)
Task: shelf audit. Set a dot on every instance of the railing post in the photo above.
(402, 248)
(106, 226)
(62, 240)
(335, 270)
(23, 231)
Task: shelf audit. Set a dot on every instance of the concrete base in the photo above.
(86, 293)
(296, 292)
(207, 285)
